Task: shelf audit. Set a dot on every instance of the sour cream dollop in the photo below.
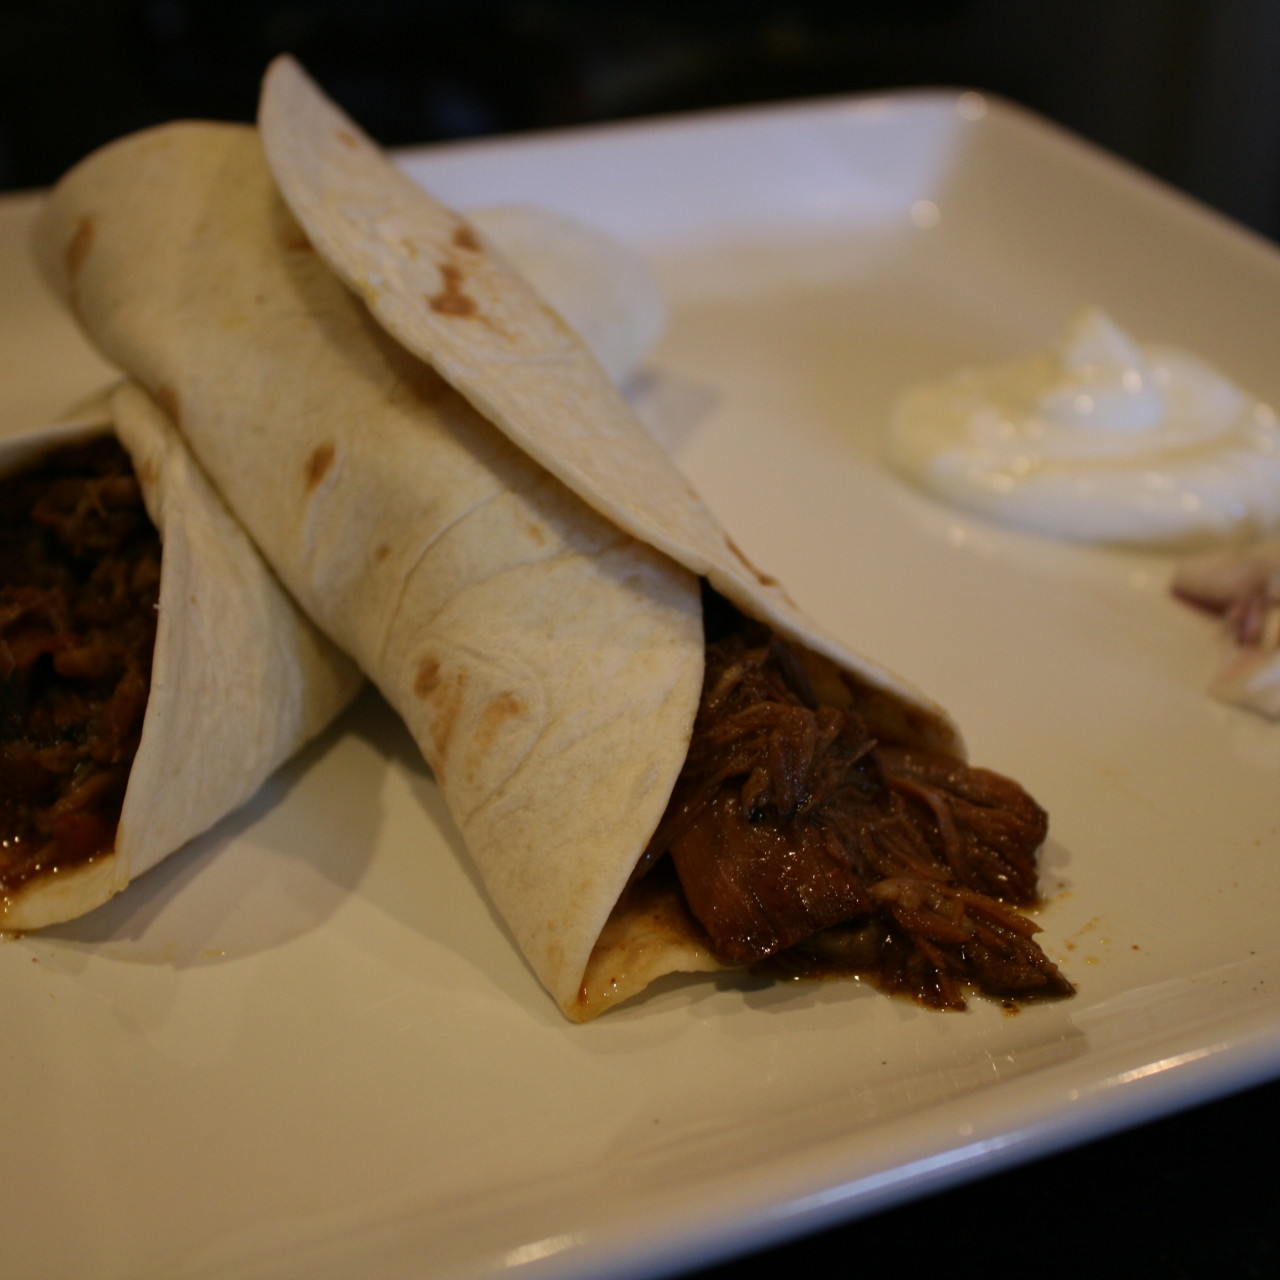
(1102, 440)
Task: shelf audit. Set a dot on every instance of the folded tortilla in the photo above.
(240, 678)
(605, 290)
(449, 484)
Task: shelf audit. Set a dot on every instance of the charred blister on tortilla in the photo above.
(804, 847)
(79, 586)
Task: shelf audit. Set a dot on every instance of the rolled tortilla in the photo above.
(605, 290)
(240, 678)
(493, 536)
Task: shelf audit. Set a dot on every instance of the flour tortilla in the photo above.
(240, 679)
(492, 337)
(493, 536)
(605, 290)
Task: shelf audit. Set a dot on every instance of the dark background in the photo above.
(1189, 89)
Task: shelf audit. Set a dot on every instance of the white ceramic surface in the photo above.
(304, 1047)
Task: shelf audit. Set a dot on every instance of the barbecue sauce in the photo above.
(79, 586)
(804, 847)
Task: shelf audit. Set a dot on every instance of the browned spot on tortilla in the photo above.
(537, 533)
(498, 713)
(294, 239)
(465, 238)
(78, 248)
(318, 464)
(506, 706)
(410, 248)
(382, 552)
(167, 399)
(448, 705)
(428, 678)
(764, 579)
(347, 138)
(148, 473)
(451, 301)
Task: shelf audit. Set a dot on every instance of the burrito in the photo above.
(657, 762)
(154, 671)
(604, 289)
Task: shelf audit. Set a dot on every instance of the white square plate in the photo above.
(304, 1047)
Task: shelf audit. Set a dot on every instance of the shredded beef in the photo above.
(79, 583)
(805, 847)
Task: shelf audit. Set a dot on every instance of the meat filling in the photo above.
(805, 847)
(79, 584)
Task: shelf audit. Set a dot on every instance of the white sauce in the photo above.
(1103, 440)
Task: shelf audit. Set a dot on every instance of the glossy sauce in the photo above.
(79, 583)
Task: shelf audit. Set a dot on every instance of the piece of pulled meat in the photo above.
(804, 847)
(79, 583)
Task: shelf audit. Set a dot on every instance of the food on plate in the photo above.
(453, 489)
(803, 846)
(79, 581)
(144, 695)
(604, 289)
(1103, 440)
(1242, 586)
